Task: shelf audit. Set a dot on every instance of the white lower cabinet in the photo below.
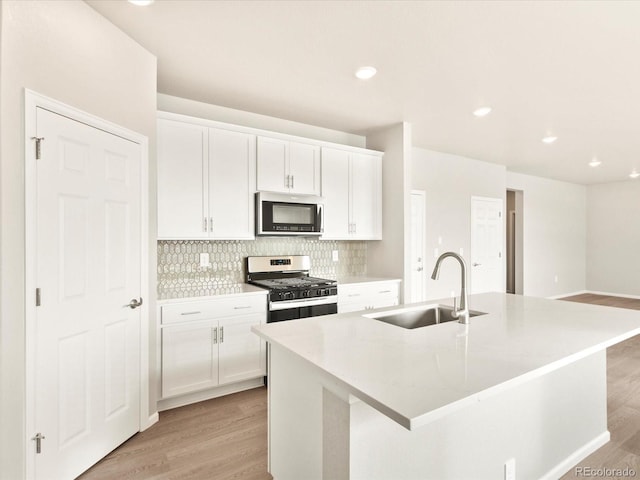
(210, 343)
(368, 295)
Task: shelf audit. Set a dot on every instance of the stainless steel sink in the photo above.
(417, 317)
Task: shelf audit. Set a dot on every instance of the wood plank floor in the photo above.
(220, 439)
(226, 438)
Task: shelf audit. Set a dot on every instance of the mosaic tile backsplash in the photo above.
(180, 274)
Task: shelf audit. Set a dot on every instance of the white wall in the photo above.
(389, 257)
(449, 182)
(613, 238)
(193, 108)
(554, 235)
(67, 51)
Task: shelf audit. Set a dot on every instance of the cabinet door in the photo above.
(366, 191)
(242, 352)
(384, 294)
(231, 185)
(189, 358)
(304, 168)
(335, 194)
(272, 157)
(181, 180)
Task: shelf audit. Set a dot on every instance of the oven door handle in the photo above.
(303, 302)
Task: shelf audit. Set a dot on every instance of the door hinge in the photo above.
(38, 439)
(37, 297)
(38, 146)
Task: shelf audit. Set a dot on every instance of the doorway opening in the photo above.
(515, 204)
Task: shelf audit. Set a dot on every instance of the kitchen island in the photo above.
(520, 389)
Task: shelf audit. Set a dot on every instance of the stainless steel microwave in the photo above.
(282, 214)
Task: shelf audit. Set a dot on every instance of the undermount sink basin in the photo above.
(418, 317)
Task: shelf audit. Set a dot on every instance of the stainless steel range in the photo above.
(292, 292)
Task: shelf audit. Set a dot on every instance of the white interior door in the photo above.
(487, 270)
(88, 259)
(417, 246)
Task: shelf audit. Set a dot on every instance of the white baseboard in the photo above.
(153, 418)
(182, 400)
(610, 294)
(570, 294)
(576, 457)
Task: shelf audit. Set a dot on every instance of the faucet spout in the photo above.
(461, 313)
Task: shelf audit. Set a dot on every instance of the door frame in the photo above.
(32, 101)
(422, 194)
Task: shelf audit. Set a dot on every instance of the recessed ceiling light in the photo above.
(482, 111)
(141, 3)
(549, 139)
(365, 73)
(634, 174)
(594, 163)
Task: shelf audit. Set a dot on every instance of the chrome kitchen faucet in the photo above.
(462, 313)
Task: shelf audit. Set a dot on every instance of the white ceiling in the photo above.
(571, 68)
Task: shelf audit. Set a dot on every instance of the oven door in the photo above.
(288, 215)
(281, 311)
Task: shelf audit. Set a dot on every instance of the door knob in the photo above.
(419, 269)
(134, 303)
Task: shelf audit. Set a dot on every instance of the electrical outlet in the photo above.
(205, 261)
(334, 255)
(510, 469)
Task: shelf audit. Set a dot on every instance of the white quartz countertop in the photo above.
(353, 280)
(234, 291)
(416, 376)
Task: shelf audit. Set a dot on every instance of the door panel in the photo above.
(364, 196)
(272, 157)
(241, 352)
(88, 269)
(304, 168)
(486, 245)
(335, 192)
(231, 184)
(181, 180)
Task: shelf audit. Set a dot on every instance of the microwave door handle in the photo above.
(320, 219)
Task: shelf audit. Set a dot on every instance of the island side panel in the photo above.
(295, 418)
(547, 425)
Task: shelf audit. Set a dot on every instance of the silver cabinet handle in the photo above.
(353, 295)
(286, 181)
(476, 264)
(190, 313)
(211, 224)
(134, 303)
(205, 224)
(240, 308)
(293, 181)
(384, 291)
(221, 334)
(215, 335)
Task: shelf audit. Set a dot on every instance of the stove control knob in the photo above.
(287, 295)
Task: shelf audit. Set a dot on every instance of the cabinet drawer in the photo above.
(223, 307)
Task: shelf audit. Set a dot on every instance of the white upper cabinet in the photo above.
(181, 180)
(288, 167)
(231, 184)
(352, 193)
(206, 182)
(335, 193)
